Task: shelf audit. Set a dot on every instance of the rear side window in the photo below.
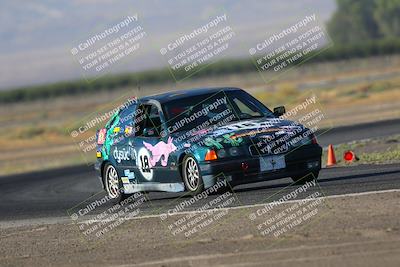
(149, 119)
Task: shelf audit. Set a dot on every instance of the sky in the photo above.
(37, 36)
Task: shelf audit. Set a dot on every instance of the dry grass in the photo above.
(369, 151)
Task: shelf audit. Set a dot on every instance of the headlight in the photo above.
(221, 153)
(229, 152)
(234, 151)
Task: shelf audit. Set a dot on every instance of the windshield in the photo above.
(210, 109)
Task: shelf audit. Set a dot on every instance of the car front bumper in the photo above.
(300, 161)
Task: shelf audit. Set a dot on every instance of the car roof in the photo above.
(174, 95)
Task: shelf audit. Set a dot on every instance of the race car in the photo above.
(190, 140)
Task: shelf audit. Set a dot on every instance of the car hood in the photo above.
(244, 132)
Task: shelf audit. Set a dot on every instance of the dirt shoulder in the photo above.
(361, 230)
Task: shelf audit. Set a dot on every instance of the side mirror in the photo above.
(148, 132)
(279, 111)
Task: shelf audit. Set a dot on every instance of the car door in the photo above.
(153, 151)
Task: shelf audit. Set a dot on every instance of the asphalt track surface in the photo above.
(53, 193)
(350, 133)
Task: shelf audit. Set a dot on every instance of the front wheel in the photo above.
(305, 177)
(192, 176)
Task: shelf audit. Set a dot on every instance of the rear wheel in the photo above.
(305, 177)
(192, 176)
(113, 184)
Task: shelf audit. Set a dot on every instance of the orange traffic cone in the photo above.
(331, 157)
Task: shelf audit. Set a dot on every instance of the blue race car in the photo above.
(192, 139)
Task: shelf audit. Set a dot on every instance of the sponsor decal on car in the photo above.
(160, 151)
(101, 138)
(143, 163)
(131, 176)
(120, 155)
(125, 180)
(128, 130)
(255, 132)
(226, 139)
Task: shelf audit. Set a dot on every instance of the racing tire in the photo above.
(113, 184)
(305, 177)
(192, 176)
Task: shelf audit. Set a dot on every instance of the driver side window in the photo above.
(149, 123)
